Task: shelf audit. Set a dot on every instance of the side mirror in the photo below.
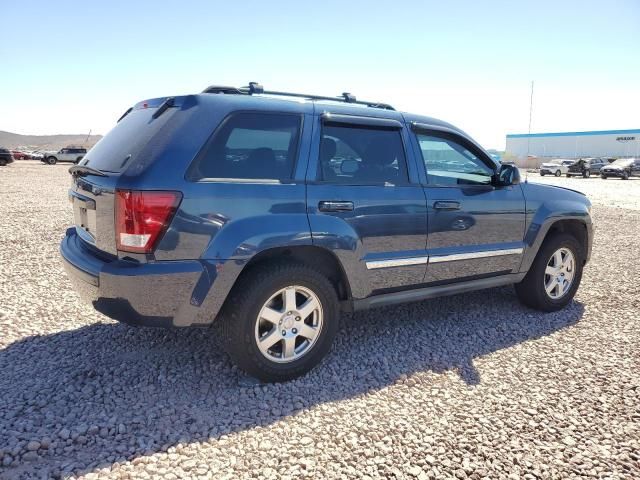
(349, 167)
(507, 174)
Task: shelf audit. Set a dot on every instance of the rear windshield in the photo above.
(114, 152)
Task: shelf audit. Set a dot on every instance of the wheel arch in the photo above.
(574, 227)
(577, 226)
(319, 258)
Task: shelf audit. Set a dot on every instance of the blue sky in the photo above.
(74, 66)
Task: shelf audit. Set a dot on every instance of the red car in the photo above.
(20, 155)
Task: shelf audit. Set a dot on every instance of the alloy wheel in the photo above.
(289, 324)
(559, 273)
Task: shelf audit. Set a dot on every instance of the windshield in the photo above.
(623, 162)
(568, 162)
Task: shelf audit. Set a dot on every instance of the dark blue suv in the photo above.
(264, 214)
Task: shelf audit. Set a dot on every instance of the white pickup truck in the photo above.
(67, 154)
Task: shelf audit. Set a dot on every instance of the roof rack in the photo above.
(255, 88)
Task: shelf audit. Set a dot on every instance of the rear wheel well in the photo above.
(317, 258)
(575, 228)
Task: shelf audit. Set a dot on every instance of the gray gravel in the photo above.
(472, 386)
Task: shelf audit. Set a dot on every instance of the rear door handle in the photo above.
(446, 205)
(335, 206)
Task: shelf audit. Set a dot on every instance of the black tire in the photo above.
(568, 175)
(52, 160)
(531, 291)
(603, 176)
(3, 162)
(625, 176)
(542, 174)
(240, 314)
(558, 173)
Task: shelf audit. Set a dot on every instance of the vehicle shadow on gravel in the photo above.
(108, 393)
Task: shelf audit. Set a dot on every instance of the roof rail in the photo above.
(255, 88)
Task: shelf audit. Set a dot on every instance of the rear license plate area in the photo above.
(84, 214)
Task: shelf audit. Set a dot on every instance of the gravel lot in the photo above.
(471, 386)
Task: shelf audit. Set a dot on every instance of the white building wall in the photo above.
(584, 144)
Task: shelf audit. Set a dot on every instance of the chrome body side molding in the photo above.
(404, 262)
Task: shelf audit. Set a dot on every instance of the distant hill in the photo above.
(46, 142)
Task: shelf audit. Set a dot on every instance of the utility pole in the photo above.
(530, 114)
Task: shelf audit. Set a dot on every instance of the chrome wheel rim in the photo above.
(289, 323)
(559, 273)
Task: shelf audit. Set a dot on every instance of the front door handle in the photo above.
(335, 206)
(446, 205)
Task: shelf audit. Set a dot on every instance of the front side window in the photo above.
(250, 146)
(450, 163)
(361, 156)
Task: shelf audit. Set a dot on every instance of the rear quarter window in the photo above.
(250, 145)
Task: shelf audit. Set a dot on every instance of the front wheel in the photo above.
(558, 173)
(52, 160)
(542, 174)
(554, 276)
(603, 176)
(280, 321)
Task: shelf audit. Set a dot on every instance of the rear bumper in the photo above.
(159, 294)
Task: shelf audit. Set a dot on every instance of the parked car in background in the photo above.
(555, 167)
(5, 157)
(584, 167)
(36, 155)
(69, 154)
(622, 168)
(265, 217)
(19, 155)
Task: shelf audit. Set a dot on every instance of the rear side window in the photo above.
(250, 145)
(361, 156)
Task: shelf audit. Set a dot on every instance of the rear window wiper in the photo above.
(80, 170)
(125, 114)
(162, 108)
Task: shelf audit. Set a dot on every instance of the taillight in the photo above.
(142, 217)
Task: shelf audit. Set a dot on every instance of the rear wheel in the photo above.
(554, 276)
(558, 173)
(603, 176)
(3, 162)
(280, 321)
(542, 174)
(52, 160)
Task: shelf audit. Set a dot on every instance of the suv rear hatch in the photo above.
(123, 149)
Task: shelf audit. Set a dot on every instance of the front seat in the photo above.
(262, 163)
(377, 165)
